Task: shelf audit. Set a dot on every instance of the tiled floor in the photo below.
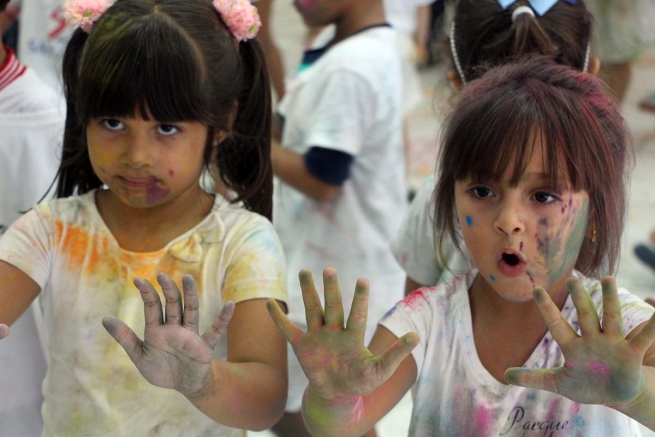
(289, 31)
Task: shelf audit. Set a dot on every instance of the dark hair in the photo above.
(3, 4)
(175, 60)
(585, 140)
(485, 34)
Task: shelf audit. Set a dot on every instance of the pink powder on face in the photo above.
(308, 5)
(155, 193)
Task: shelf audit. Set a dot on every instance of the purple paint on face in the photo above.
(543, 221)
(539, 243)
(171, 173)
(307, 5)
(563, 209)
(154, 193)
(521, 246)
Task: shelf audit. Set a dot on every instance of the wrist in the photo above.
(209, 385)
(331, 416)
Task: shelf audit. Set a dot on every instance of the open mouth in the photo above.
(511, 263)
(511, 259)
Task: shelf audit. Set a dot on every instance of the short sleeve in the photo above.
(26, 245)
(343, 114)
(257, 267)
(413, 314)
(414, 245)
(634, 311)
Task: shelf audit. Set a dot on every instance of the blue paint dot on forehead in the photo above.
(492, 277)
(469, 220)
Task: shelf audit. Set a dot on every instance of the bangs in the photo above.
(498, 136)
(146, 66)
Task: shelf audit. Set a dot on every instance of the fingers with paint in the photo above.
(601, 365)
(172, 353)
(333, 355)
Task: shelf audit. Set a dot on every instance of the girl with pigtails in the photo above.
(157, 91)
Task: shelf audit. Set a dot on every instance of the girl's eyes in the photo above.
(162, 129)
(543, 197)
(167, 129)
(480, 192)
(112, 124)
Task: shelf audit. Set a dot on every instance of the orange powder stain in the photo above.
(75, 243)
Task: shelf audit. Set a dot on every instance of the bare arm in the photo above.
(290, 167)
(249, 389)
(17, 291)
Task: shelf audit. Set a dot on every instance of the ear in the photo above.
(594, 66)
(221, 134)
(454, 79)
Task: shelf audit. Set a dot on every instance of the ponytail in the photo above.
(75, 175)
(244, 159)
(530, 38)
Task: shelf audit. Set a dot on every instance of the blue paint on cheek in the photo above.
(492, 277)
(469, 221)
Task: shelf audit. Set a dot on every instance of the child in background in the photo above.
(532, 179)
(273, 56)
(340, 167)
(562, 33)
(31, 127)
(130, 205)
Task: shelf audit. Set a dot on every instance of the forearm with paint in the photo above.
(642, 409)
(248, 396)
(333, 417)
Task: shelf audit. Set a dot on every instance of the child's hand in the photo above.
(173, 354)
(4, 331)
(334, 357)
(601, 366)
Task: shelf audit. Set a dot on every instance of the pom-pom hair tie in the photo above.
(240, 16)
(84, 13)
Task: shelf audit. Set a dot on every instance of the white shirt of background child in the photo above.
(349, 100)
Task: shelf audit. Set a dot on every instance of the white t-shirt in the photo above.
(31, 126)
(402, 14)
(456, 396)
(415, 245)
(42, 38)
(92, 388)
(349, 100)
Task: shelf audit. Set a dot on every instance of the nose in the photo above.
(137, 150)
(510, 218)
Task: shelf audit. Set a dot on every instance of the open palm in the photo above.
(172, 353)
(333, 356)
(601, 366)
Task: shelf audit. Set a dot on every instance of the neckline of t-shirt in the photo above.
(486, 380)
(312, 55)
(91, 199)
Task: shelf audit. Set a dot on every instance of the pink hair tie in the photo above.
(84, 13)
(240, 16)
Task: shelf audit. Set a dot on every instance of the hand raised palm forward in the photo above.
(172, 353)
(601, 366)
(333, 356)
